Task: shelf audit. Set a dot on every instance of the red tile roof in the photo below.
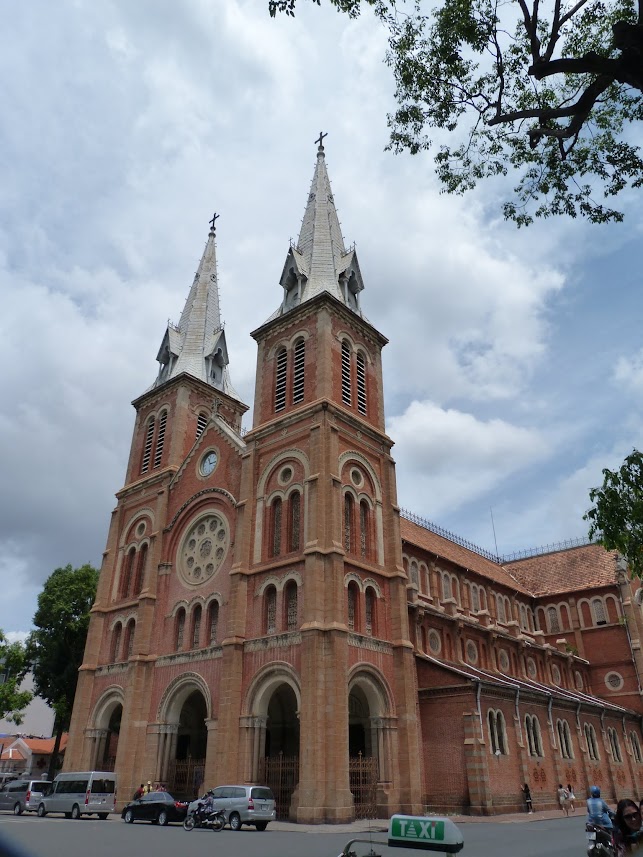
(45, 746)
(586, 567)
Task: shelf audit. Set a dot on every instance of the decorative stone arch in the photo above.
(269, 581)
(287, 342)
(425, 578)
(146, 512)
(565, 616)
(105, 705)
(262, 501)
(376, 688)
(104, 724)
(353, 455)
(371, 717)
(370, 581)
(265, 682)
(196, 504)
(214, 596)
(352, 576)
(291, 575)
(609, 598)
(541, 618)
(182, 603)
(177, 691)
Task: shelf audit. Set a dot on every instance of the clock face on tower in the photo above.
(208, 463)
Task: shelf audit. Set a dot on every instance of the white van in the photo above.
(76, 794)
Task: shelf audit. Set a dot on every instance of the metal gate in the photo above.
(185, 777)
(281, 774)
(363, 776)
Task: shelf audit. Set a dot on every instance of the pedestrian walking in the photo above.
(526, 793)
(572, 797)
(563, 798)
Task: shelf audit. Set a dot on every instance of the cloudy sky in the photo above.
(514, 371)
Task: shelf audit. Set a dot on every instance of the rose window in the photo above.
(203, 549)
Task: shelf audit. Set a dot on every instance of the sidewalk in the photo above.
(379, 826)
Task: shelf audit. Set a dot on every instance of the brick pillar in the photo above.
(476, 760)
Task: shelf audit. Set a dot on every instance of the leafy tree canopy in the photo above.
(616, 519)
(55, 648)
(13, 701)
(545, 88)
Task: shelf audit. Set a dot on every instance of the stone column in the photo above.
(210, 773)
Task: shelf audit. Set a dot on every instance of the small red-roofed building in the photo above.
(28, 756)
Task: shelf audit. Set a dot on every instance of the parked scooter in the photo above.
(199, 816)
(600, 841)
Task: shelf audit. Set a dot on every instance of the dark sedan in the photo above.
(157, 807)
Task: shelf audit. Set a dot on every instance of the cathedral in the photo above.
(267, 614)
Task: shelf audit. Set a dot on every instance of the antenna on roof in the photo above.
(493, 527)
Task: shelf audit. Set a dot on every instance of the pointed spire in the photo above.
(197, 345)
(319, 262)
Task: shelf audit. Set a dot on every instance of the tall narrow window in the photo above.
(280, 379)
(414, 573)
(201, 423)
(179, 628)
(128, 568)
(636, 748)
(363, 530)
(140, 570)
(196, 627)
(530, 735)
(147, 450)
(500, 609)
(349, 540)
(600, 617)
(346, 373)
(298, 373)
(129, 638)
(446, 587)
(352, 595)
(115, 650)
(160, 440)
(295, 520)
(361, 383)
(291, 606)
(369, 611)
(276, 526)
(614, 744)
(271, 610)
(592, 745)
(475, 598)
(501, 732)
(213, 622)
(552, 619)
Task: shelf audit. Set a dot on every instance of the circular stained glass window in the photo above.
(140, 529)
(435, 644)
(614, 680)
(356, 477)
(198, 557)
(285, 475)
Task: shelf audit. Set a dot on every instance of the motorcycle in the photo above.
(600, 841)
(199, 817)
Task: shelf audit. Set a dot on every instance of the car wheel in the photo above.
(42, 812)
(103, 815)
(129, 817)
(17, 810)
(261, 825)
(75, 811)
(235, 821)
(162, 819)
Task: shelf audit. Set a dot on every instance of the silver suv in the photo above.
(245, 805)
(23, 795)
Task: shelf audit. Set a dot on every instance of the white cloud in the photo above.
(628, 372)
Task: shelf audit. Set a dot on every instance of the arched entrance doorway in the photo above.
(368, 741)
(106, 732)
(183, 737)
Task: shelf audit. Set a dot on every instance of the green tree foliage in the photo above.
(616, 518)
(13, 701)
(545, 88)
(55, 648)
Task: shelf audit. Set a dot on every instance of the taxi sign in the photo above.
(429, 833)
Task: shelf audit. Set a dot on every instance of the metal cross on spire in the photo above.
(320, 141)
(213, 222)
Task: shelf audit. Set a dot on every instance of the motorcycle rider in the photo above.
(598, 811)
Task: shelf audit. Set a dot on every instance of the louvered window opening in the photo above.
(196, 628)
(298, 374)
(361, 383)
(291, 608)
(276, 527)
(280, 382)
(160, 440)
(180, 626)
(147, 452)
(346, 373)
(351, 608)
(201, 423)
(214, 622)
(271, 611)
(295, 518)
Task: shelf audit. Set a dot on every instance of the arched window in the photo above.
(270, 610)
(446, 586)
(346, 373)
(534, 737)
(598, 608)
(115, 649)
(370, 611)
(565, 739)
(483, 597)
(129, 639)
(201, 423)
(530, 617)
(147, 449)
(280, 379)
(140, 570)
(364, 534)
(361, 383)
(179, 628)
(553, 621)
(213, 622)
(349, 534)
(126, 582)
(636, 748)
(475, 598)
(614, 744)
(292, 619)
(352, 597)
(497, 732)
(276, 526)
(500, 609)
(414, 572)
(196, 626)
(160, 440)
(592, 745)
(294, 520)
(298, 373)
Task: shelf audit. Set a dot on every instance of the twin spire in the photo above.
(319, 262)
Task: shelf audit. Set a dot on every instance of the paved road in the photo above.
(88, 837)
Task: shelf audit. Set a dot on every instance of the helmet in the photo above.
(210, 792)
(595, 791)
